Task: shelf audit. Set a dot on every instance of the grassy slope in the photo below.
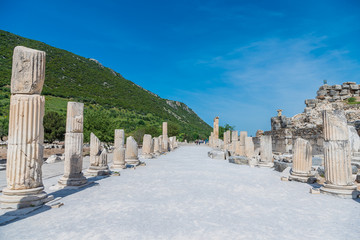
(72, 77)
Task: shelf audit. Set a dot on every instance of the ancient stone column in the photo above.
(337, 156)
(211, 140)
(131, 153)
(119, 150)
(156, 146)
(98, 158)
(302, 161)
(249, 147)
(26, 133)
(266, 156)
(146, 147)
(234, 140)
(227, 140)
(216, 128)
(165, 137)
(73, 164)
(161, 147)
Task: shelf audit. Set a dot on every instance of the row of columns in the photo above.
(26, 136)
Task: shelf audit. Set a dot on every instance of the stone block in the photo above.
(321, 93)
(333, 93)
(285, 179)
(354, 87)
(345, 86)
(28, 71)
(337, 87)
(280, 166)
(344, 92)
(314, 190)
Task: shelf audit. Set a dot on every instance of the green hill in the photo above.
(110, 100)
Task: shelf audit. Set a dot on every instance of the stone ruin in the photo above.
(74, 136)
(308, 125)
(98, 158)
(26, 133)
(119, 150)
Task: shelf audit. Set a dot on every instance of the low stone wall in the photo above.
(283, 139)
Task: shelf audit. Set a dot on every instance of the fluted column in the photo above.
(266, 156)
(98, 158)
(302, 161)
(119, 149)
(216, 128)
(26, 132)
(337, 156)
(146, 147)
(131, 153)
(73, 164)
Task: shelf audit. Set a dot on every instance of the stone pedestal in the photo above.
(337, 156)
(98, 158)
(119, 150)
(131, 153)
(249, 147)
(302, 161)
(26, 133)
(147, 145)
(266, 156)
(73, 175)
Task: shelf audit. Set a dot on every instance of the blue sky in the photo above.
(239, 60)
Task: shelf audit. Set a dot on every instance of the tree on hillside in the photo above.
(54, 127)
(225, 128)
(4, 125)
(100, 123)
(173, 129)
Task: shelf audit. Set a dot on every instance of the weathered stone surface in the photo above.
(302, 161)
(53, 159)
(73, 164)
(249, 147)
(241, 160)
(156, 146)
(165, 140)
(266, 156)
(74, 117)
(25, 142)
(354, 139)
(119, 149)
(335, 126)
(337, 156)
(216, 154)
(28, 71)
(147, 145)
(26, 132)
(131, 153)
(98, 158)
(280, 166)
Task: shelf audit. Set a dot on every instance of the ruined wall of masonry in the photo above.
(308, 125)
(284, 139)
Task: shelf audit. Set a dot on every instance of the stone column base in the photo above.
(132, 161)
(156, 154)
(15, 199)
(118, 166)
(300, 177)
(72, 181)
(147, 156)
(98, 171)
(340, 191)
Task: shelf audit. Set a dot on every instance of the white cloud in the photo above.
(266, 75)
